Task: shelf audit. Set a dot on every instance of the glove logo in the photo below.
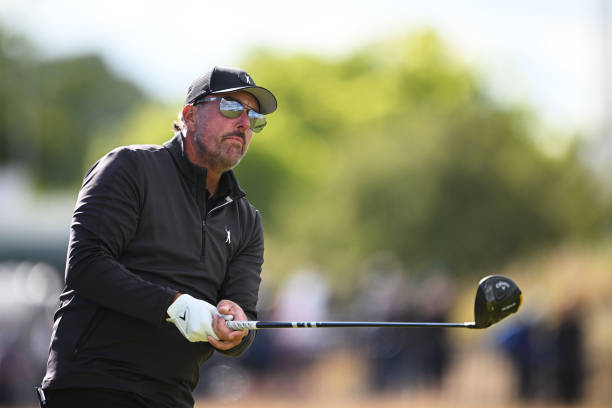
(193, 318)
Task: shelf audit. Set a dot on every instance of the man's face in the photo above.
(220, 142)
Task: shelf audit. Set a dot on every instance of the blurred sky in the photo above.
(548, 53)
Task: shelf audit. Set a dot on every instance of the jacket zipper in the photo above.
(228, 200)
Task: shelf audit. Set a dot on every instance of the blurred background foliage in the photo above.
(396, 148)
(53, 109)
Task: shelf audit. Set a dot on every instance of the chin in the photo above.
(237, 162)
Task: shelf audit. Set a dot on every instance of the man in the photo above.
(164, 247)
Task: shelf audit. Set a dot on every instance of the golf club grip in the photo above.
(255, 325)
(241, 325)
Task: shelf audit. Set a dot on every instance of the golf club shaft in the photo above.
(255, 325)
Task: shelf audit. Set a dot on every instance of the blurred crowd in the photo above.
(547, 357)
(28, 298)
(548, 360)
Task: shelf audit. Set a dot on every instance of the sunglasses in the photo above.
(231, 108)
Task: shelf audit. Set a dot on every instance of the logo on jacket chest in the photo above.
(228, 236)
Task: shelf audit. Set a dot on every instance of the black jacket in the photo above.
(140, 233)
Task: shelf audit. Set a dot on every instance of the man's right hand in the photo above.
(193, 317)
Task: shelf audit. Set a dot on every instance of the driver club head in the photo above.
(496, 297)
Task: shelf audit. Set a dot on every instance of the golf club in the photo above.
(496, 297)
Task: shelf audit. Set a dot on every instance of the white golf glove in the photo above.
(193, 317)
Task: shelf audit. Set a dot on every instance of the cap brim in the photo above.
(266, 99)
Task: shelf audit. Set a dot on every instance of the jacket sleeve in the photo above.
(242, 280)
(104, 222)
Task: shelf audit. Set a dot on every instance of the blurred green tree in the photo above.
(398, 147)
(79, 98)
(16, 124)
(53, 108)
(395, 147)
(149, 123)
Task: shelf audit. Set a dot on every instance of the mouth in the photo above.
(235, 138)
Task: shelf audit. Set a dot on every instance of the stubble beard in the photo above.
(222, 159)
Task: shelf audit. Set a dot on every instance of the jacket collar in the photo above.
(196, 174)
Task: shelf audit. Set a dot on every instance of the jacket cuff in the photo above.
(240, 348)
(170, 295)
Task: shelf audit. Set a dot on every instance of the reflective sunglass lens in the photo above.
(233, 109)
(257, 125)
(258, 121)
(230, 109)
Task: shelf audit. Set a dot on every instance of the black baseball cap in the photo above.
(224, 79)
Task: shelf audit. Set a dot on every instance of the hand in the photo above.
(227, 339)
(193, 317)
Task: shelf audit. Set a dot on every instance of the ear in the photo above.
(189, 117)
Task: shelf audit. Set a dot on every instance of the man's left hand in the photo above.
(228, 339)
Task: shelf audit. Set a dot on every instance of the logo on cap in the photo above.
(244, 77)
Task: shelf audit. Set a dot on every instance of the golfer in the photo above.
(164, 248)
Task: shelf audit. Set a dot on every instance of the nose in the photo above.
(243, 121)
